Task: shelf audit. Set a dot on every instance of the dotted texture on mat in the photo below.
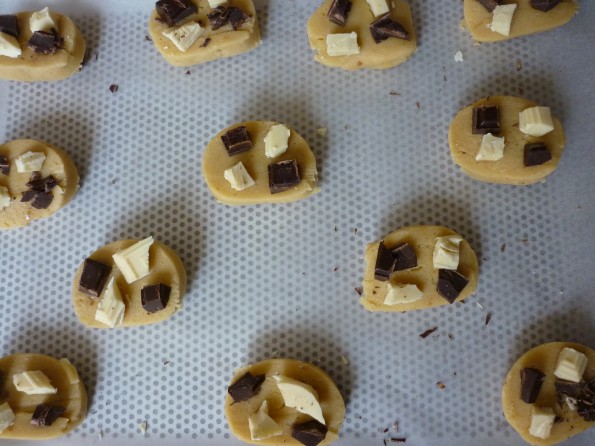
(279, 281)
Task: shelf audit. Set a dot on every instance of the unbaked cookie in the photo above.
(40, 397)
(36, 180)
(513, 22)
(39, 46)
(129, 283)
(284, 401)
(418, 267)
(356, 34)
(549, 393)
(259, 162)
(521, 157)
(190, 32)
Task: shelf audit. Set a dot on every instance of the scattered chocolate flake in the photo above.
(114, 87)
(4, 165)
(488, 318)
(155, 297)
(237, 140)
(93, 277)
(490, 5)
(310, 433)
(398, 440)
(245, 387)
(428, 332)
(187, 73)
(339, 12)
(486, 119)
(42, 42)
(283, 175)
(536, 154)
(503, 247)
(385, 263)
(173, 12)
(359, 291)
(206, 42)
(441, 385)
(395, 93)
(544, 5)
(45, 415)
(9, 24)
(418, 105)
(451, 336)
(148, 38)
(335, 269)
(385, 27)
(531, 381)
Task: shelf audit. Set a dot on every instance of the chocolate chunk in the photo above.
(114, 88)
(45, 415)
(246, 387)
(93, 277)
(155, 297)
(237, 17)
(531, 381)
(536, 154)
(283, 175)
(42, 42)
(173, 12)
(224, 15)
(586, 410)
(490, 5)
(39, 200)
(405, 257)
(339, 12)
(9, 24)
(4, 165)
(384, 27)
(237, 140)
(573, 390)
(450, 284)
(39, 184)
(309, 433)
(385, 263)
(544, 5)
(206, 42)
(486, 119)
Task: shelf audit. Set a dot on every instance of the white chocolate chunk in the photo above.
(446, 252)
(378, 7)
(542, 420)
(571, 365)
(536, 121)
(133, 262)
(459, 56)
(184, 36)
(110, 310)
(491, 148)
(215, 3)
(502, 19)
(301, 396)
(30, 162)
(344, 44)
(7, 417)
(33, 383)
(238, 177)
(73, 376)
(9, 46)
(261, 425)
(400, 293)
(4, 197)
(276, 141)
(42, 21)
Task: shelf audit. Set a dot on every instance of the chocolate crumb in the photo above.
(148, 38)
(488, 318)
(359, 291)
(206, 42)
(451, 336)
(187, 73)
(114, 87)
(398, 440)
(418, 105)
(385, 430)
(428, 332)
(441, 385)
(503, 247)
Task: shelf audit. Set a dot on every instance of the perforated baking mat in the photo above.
(280, 281)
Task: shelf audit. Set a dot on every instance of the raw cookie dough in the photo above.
(329, 397)
(510, 169)
(526, 19)
(518, 413)
(57, 164)
(71, 396)
(31, 66)
(389, 53)
(425, 276)
(210, 45)
(165, 267)
(216, 160)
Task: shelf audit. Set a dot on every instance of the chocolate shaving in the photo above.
(428, 332)
(39, 184)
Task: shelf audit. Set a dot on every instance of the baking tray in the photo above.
(279, 281)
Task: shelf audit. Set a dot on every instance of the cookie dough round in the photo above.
(425, 276)
(57, 164)
(31, 66)
(211, 44)
(510, 169)
(518, 413)
(389, 53)
(216, 160)
(165, 267)
(526, 19)
(71, 395)
(329, 397)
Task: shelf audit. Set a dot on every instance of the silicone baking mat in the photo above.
(280, 281)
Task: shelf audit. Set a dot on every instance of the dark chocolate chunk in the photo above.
(223, 15)
(385, 263)
(544, 5)
(39, 184)
(490, 5)
(39, 200)
(93, 277)
(309, 433)
(206, 42)
(283, 175)
(586, 409)
(237, 140)
(246, 387)
(4, 165)
(173, 12)
(486, 119)
(405, 257)
(531, 381)
(384, 27)
(536, 154)
(237, 17)
(573, 390)
(42, 42)
(450, 284)
(45, 415)
(155, 297)
(339, 12)
(114, 88)
(9, 24)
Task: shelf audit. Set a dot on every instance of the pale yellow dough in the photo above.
(511, 168)
(518, 413)
(32, 67)
(165, 267)
(425, 276)
(526, 19)
(224, 42)
(216, 160)
(386, 54)
(72, 397)
(57, 163)
(329, 397)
